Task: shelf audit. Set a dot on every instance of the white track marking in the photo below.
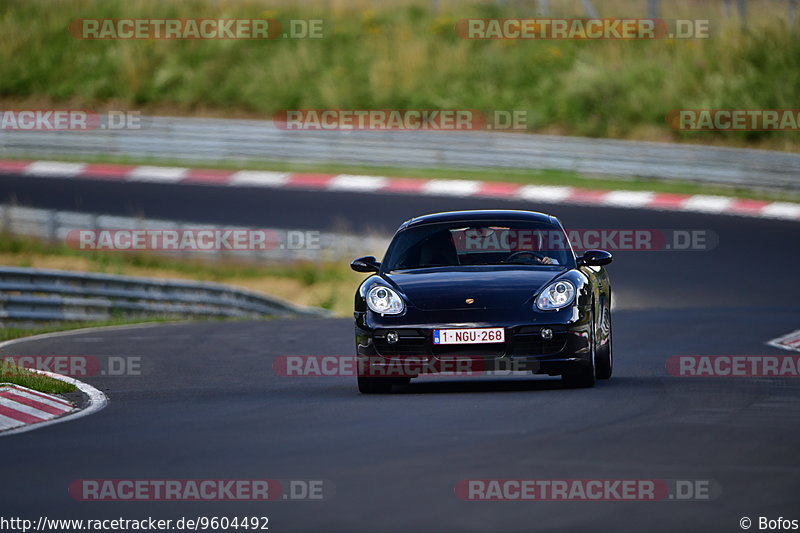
(452, 187)
(628, 198)
(542, 193)
(258, 178)
(158, 174)
(348, 182)
(54, 168)
(790, 341)
(781, 210)
(8, 423)
(707, 204)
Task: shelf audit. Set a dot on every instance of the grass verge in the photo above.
(406, 55)
(14, 332)
(11, 373)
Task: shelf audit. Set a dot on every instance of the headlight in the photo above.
(385, 301)
(556, 295)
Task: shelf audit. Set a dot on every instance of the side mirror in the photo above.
(365, 264)
(595, 258)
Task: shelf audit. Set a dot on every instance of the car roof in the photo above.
(480, 215)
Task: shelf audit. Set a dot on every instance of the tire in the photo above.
(585, 376)
(374, 385)
(605, 356)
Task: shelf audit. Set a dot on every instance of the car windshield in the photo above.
(479, 243)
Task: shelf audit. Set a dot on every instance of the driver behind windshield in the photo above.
(443, 245)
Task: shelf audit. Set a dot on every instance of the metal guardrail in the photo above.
(195, 139)
(28, 294)
(55, 226)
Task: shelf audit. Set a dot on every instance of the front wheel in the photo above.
(605, 357)
(585, 376)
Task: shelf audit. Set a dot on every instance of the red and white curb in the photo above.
(698, 203)
(23, 410)
(26, 413)
(20, 406)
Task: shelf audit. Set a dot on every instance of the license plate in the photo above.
(469, 336)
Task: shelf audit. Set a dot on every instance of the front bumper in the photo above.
(524, 349)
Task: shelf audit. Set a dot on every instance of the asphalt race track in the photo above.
(210, 406)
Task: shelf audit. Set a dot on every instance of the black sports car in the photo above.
(482, 291)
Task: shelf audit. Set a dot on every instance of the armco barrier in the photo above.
(30, 295)
(209, 140)
(54, 226)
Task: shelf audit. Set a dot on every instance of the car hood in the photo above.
(490, 288)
